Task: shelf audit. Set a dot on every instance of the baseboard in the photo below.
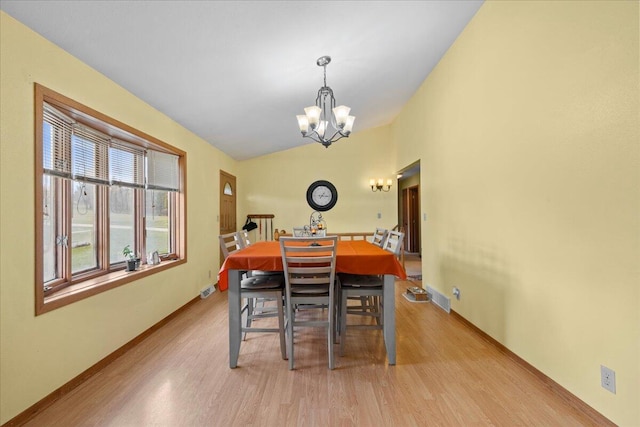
(26, 415)
(596, 417)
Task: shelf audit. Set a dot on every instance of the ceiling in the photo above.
(237, 73)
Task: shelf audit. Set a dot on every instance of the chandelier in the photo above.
(314, 123)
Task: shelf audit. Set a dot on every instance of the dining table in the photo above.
(352, 256)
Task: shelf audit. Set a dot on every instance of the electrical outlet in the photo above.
(379, 215)
(456, 293)
(608, 379)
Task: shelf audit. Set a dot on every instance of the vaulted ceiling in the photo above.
(237, 73)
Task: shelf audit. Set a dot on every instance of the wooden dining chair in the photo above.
(393, 242)
(368, 303)
(309, 273)
(256, 307)
(229, 243)
(380, 236)
(254, 287)
(359, 287)
(245, 242)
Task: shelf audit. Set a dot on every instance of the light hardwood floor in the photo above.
(447, 374)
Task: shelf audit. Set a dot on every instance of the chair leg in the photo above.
(330, 335)
(247, 323)
(365, 303)
(290, 320)
(336, 317)
(283, 348)
(376, 307)
(343, 320)
(244, 317)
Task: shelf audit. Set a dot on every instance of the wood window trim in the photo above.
(98, 283)
(103, 283)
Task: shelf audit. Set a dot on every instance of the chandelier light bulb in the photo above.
(313, 114)
(303, 123)
(341, 113)
(348, 125)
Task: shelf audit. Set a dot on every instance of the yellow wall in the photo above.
(527, 132)
(277, 183)
(39, 354)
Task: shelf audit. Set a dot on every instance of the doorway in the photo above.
(409, 216)
(409, 207)
(227, 205)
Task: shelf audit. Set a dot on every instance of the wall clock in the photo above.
(322, 195)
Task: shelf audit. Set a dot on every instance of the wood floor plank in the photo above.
(446, 374)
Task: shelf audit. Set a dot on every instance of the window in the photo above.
(104, 186)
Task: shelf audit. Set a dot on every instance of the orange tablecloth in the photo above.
(357, 257)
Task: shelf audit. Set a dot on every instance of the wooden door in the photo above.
(405, 217)
(227, 205)
(414, 220)
(410, 219)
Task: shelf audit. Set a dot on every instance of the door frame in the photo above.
(223, 226)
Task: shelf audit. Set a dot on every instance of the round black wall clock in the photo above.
(322, 196)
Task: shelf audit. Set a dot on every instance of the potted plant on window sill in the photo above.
(130, 256)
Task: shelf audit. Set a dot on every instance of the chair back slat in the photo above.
(380, 236)
(393, 243)
(229, 243)
(308, 280)
(243, 237)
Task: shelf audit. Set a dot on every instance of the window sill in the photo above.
(94, 286)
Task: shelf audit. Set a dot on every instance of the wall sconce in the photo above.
(378, 186)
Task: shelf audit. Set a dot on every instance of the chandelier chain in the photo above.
(325, 74)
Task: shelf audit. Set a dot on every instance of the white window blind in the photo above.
(89, 155)
(56, 142)
(74, 151)
(162, 171)
(126, 165)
